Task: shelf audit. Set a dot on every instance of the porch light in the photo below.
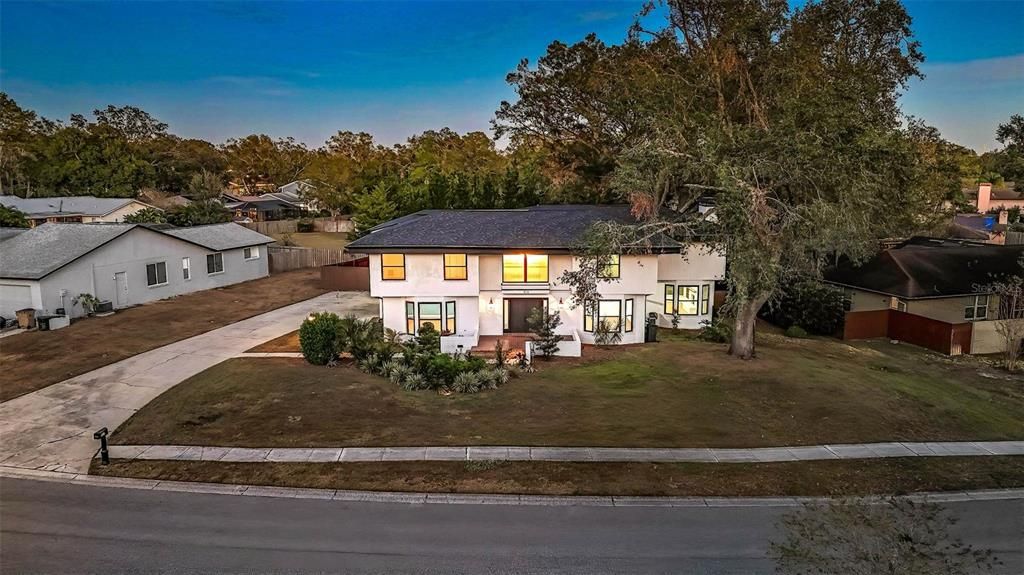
(490, 303)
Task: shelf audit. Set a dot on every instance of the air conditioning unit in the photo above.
(104, 307)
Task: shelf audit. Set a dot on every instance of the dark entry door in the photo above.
(518, 310)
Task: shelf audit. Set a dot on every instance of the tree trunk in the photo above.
(742, 345)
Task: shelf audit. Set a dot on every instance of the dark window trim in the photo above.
(382, 267)
(156, 274)
(628, 304)
(526, 272)
(455, 312)
(464, 266)
(598, 316)
(618, 269)
(419, 312)
(216, 256)
(705, 299)
(670, 299)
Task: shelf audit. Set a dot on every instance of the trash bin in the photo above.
(651, 329)
(26, 318)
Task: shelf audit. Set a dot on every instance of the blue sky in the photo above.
(217, 70)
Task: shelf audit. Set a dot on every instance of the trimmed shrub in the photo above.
(815, 306)
(796, 331)
(718, 331)
(318, 338)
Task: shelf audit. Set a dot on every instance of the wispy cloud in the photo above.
(598, 16)
(1006, 69)
(258, 85)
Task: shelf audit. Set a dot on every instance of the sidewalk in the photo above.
(666, 455)
(51, 428)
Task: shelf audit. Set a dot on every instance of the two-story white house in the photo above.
(476, 275)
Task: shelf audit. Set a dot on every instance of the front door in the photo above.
(121, 293)
(516, 312)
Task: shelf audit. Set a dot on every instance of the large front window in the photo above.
(524, 268)
(609, 314)
(214, 263)
(156, 274)
(392, 266)
(430, 313)
(688, 298)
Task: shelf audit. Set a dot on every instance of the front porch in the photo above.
(514, 343)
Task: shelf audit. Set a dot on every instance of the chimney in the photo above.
(984, 197)
(1004, 217)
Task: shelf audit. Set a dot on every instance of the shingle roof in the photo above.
(8, 233)
(220, 237)
(555, 227)
(46, 248)
(84, 205)
(925, 268)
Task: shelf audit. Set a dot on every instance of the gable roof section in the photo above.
(67, 205)
(549, 228)
(44, 249)
(925, 268)
(219, 237)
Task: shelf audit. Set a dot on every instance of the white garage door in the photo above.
(13, 298)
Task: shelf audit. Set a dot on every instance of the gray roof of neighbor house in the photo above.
(219, 237)
(8, 233)
(929, 267)
(549, 228)
(44, 249)
(49, 247)
(68, 205)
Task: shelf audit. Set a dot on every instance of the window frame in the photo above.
(705, 299)
(599, 319)
(450, 318)
(186, 268)
(214, 258)
(156, 274)
(410, 317)
(627, 314)
(388, 267)
(464, 267)
(695, 301)
(896, 303)
(440, 314)
(252, 250)
(975, 305)
(617, 266)
(669, 305)
(526, 269)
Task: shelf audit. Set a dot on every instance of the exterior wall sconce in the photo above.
(490, 304)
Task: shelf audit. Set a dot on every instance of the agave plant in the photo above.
(415, 382)
(500, 377)
(466, 382)
(386, 367)
(370, 363)
(399, 372)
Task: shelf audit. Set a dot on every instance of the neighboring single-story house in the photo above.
(986, 198)
(266, 207)
(477, 274)
(931, 292)
(46, 267)
(296, 193)
(76, 209)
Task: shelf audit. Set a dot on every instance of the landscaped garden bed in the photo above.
(807, 478)
(678, 393)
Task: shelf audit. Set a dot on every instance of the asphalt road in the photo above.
(52, 527)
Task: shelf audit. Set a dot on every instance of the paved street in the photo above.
(50, 527)
(52, 428)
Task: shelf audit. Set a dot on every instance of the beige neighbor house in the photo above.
(933, 293)
(476, 275)
(986, 199)
(76, 209)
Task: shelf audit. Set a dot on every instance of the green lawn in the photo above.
(675, 393)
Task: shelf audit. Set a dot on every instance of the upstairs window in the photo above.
(611, 269)
(156, 274)
(455, 267)
(214, 263)
(392, 266)
(524, 268)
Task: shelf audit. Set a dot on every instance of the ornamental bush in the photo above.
(318, 338)
(817, 307)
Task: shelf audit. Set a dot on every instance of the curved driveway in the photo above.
(52, 428)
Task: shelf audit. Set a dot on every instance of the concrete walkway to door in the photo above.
(51, 428)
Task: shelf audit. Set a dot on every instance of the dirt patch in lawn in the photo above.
(288, 342)
(672, 394)
(34, 360)
(808, 478)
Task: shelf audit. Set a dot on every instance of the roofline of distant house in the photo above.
(907, 297)
(486, 250)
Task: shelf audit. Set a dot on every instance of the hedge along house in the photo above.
(476, 275)
(46, 267)
(931, 293)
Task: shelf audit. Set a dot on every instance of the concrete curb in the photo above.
(343, 495)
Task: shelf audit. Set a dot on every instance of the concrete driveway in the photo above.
(52, 428)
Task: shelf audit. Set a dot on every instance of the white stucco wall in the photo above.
(985, 337)
(867, 301)
(95, 272)
(424, 276)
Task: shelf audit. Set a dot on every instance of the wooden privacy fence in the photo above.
(284, 258)
(1014, 238)
(276, 227)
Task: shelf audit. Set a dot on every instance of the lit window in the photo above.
(588, 318)
(455, 267)
(186, 268)
(977, 308)
(252, 253)
(670, 300)
(611, 269)
(705, 299)
(214, 263)
(688, 299)
(156, 274)
(519, 268)
(392, 266)
(609, 314)
(410, 318)
(628, 318)
(430, 313)
(449, 316)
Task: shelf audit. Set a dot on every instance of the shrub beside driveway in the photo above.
(34, 360)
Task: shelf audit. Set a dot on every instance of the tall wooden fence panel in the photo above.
(1014, 238)
(285, 258)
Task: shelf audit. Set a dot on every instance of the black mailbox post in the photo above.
(104, 454)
